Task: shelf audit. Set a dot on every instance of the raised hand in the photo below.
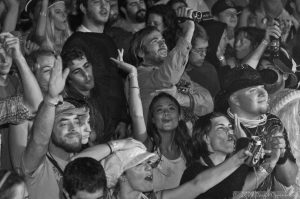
(57, 79)
(11, 45)
(123, 65)
(274, 31)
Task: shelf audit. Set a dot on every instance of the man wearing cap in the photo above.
(225, 11)
(244, 91)
(56, 137)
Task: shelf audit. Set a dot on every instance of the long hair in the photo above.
(169, 20)
(53, 41)
(181, 137)
(201, 128)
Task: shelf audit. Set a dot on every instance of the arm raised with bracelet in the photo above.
(134, 99)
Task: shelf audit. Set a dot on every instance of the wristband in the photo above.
(113, 146)
(43, 14)
(52, 102)
(111, 151)
(265, 42)
(135, 87)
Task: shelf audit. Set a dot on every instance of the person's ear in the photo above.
(141, 53)
(83, 9)
(285, 76)
(206, 139)
(234, 99)
(66, 194)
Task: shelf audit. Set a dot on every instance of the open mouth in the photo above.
(149, 178)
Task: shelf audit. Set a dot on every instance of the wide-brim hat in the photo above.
(222, 5)
(234, 80)
(118, 162)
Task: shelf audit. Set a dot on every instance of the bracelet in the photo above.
(131, 75)
(52, 102)
(111, 151)
(267, 167)
(113, 145)
(261, 169)
(265, 42)
(43, 14)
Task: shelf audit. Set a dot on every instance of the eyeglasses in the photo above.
(200, 51)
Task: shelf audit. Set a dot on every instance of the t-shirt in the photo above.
(45, 182)
(224, 189)
(168, 173)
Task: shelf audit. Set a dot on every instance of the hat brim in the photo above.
(139, 159)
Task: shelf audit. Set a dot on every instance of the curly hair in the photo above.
(181, 137)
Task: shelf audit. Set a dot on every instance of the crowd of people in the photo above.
(149, 99)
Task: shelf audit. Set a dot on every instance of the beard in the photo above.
(140, 16)
(68, 147)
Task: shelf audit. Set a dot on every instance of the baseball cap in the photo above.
(222, 5)
(68, 108)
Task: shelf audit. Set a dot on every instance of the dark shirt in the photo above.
(224, 189)
(206, 76)
(109, 87)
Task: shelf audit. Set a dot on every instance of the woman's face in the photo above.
(165, 115)
(198, 52)
(242, 46)
(59, 15)
(157, 21)
(85, 127)
(140, 177)
(20, 192)
(220, 138)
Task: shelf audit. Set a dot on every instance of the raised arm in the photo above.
(99, 152)
(32, 92)
(254, 57)
(133, 98)
(42, 128)
(40, 31)
(174, 65)
(207, 179)
(11, 18)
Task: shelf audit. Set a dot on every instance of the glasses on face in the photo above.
(231, 14)
(200, 51)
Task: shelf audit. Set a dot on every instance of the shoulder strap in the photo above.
(51, 159)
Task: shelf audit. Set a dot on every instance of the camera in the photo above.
(274, 45)
(197, 17)
(201, 16)
(255, 146)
